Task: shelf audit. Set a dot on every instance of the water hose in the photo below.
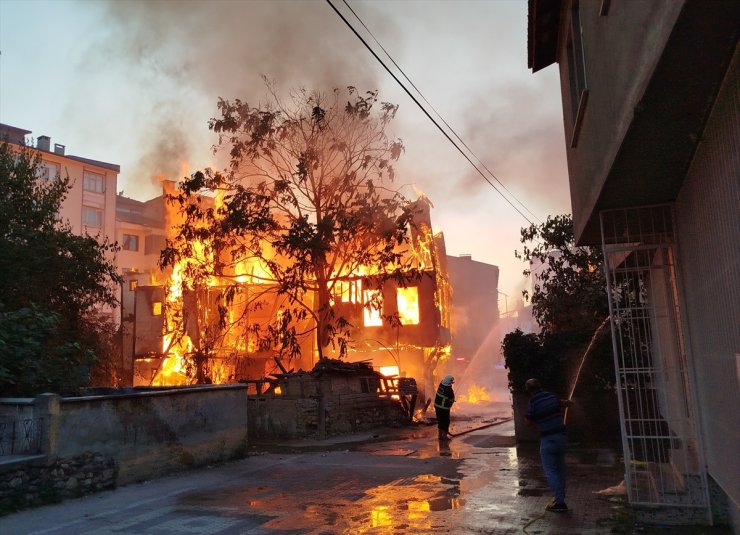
(480, 427)
(580, 366)
(535, 519)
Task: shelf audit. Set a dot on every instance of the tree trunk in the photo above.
(323, 311)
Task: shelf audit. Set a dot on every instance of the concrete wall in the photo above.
(146, 434)
(708, 235)
(153, 433)
(620, 51)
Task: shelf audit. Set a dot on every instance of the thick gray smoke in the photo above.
(201, 51)
(467, 57)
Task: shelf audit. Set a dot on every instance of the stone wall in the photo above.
(343, 412)
(143, 434)
(30, 484)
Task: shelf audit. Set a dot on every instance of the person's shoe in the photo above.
(556, 507)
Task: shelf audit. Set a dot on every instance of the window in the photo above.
(371, 309)
(157, 308)
(48, 171)
(576, 72)
(130, 242)
(133, 284)
(93, 182)
(407, 300)
(348, 291)
(92, 217)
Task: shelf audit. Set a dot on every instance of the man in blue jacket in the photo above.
(545, 410)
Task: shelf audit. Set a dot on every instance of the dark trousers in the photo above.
(443, 419)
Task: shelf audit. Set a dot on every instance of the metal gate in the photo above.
(662, 449)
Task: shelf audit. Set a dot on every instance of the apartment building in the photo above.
(650, 113)
(90, 206)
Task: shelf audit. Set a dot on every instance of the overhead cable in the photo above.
(415, 100)
(491, 173)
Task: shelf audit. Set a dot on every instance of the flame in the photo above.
(389, 371)
(350, 286)
(371, 315)
(476, 394)
(407, 300)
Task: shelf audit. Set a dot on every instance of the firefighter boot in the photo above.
(442, 434)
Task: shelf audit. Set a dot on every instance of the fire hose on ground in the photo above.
(485, 426)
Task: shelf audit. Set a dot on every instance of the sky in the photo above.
(135, 83)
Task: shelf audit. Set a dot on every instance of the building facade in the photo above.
(650, 111)
(90, 204)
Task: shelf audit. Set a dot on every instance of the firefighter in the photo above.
(442, 404)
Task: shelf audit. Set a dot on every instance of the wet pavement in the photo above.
(389, 482)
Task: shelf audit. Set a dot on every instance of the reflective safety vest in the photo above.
(442, 400)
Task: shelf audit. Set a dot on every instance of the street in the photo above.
(396, 481)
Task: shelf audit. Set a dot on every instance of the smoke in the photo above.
(520, 139)
(195, 52)
(168, 152)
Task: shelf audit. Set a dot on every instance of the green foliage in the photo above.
(308, 198)
(533, 355)
(51, 278)
(36, 357)
(569, 302)
(569, 286)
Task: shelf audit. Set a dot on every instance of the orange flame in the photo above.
(476, 394)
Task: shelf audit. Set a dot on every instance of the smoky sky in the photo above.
(201, 51)
(520, 139)
(180, 56)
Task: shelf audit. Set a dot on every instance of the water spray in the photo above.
(583, 359)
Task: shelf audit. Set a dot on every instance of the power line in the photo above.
(491, 173)
(415, 100)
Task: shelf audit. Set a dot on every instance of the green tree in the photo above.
(569, 291)
(569, 302)
(51, 280)
(308, 201)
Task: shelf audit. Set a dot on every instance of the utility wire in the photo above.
(349, 25)
(491, 173)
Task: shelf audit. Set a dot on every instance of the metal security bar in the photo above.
(659, 430)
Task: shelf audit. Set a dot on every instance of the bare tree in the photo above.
(306, 203)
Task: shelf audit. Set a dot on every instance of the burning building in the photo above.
(401, 328)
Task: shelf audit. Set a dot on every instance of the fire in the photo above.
(174, 367)
(190, 304)
(476, 394)
(407, 300)
(371, 315)
(392, 372)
